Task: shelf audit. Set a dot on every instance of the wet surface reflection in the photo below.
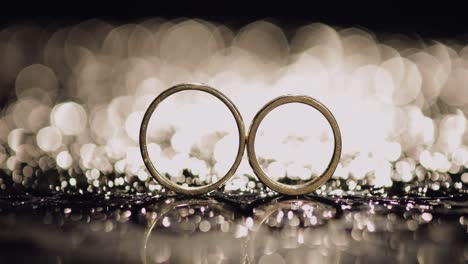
(193, 230)
(123, 228)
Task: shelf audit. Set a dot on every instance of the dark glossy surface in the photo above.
(363, 227)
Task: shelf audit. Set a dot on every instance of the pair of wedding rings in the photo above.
(244, 140)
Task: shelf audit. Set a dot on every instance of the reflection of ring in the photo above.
(164, 181)
(316, 182)
(188, 203)
(263, 212)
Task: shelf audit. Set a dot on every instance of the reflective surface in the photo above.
(130, 228)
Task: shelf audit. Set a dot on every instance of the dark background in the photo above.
(428, 19)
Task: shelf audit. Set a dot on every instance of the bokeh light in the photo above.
(80, 94)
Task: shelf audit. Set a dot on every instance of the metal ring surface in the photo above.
(162, 179)
(314, 183)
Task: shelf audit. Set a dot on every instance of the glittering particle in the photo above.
(28, 171)
(16, 138)
(11, 163)
(412, 225)
(17, 177)
(204, 226)
(279, 216)
(108, 226)
(69, 117)
(241, 231)
(126, 214)
(95, 183)
(426, 217)
(36, 76)
(142, 175)
(313, 220)
(49, 139)
(94, 174)
(166, 222)
(464, 177)
(249, 222)
(72, 182)
(251, 184)
(64, 160)
(132, 125)
(294, 221)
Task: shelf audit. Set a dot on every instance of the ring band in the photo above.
(316, 182)
(163, 180)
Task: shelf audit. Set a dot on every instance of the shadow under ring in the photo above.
(162, 179)
(314, 183)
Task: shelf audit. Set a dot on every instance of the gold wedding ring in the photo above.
(165, 181)
(274, 185)
(314, 183)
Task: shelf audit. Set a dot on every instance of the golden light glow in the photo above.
(400, 110)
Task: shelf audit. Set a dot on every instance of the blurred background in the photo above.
(74, 88)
